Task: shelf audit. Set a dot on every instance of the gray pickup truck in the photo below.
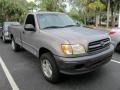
(61, 45)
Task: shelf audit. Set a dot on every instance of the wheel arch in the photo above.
(44, 50)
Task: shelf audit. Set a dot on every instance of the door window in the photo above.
(30, 20)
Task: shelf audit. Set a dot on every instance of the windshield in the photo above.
(54, 20)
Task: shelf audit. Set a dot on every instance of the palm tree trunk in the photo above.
(97, 20)
(108, 12)
(85, 20)
(119, 19)
(114, 15)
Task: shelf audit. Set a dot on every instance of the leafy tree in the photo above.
(74, 14)
(15, 9)
(82, 8)
(51, 5)
(96, 6)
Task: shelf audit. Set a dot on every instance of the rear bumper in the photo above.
(80, 65)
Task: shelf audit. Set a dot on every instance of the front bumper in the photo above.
(80, 65)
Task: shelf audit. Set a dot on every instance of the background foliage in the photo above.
(86, 11)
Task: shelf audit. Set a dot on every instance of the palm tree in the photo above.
(113, 7)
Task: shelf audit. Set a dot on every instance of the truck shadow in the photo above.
(84, 77)
(67, 80)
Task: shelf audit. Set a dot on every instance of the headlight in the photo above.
(67, 49)
(6, 33)
(78, 49)
(73, 49)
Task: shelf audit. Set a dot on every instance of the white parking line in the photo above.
(8, 75)
(115, 61)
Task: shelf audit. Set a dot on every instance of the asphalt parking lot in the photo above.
(20, 71)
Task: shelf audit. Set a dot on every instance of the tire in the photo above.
(54, 77)
(3, 39)
(15, 47)
(117, 49)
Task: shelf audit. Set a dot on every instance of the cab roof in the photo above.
(43, 12)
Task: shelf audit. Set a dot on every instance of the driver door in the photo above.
(28, 39)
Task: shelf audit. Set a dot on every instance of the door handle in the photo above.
(23, 32)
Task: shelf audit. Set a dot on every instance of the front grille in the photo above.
(98, 45)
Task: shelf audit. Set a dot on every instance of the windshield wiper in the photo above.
(69, 25)
(52, 27)
(59, 26)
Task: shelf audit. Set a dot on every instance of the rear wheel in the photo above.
(49, 68)
(15, 46)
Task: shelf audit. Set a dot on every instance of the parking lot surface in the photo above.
(24, 68)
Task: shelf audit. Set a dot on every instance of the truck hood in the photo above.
(75, 35)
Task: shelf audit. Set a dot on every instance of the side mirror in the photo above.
(29, 27)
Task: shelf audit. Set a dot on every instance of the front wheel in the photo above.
(14, 46)
(49, 68)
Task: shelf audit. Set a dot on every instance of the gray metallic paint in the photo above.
(52, 39)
